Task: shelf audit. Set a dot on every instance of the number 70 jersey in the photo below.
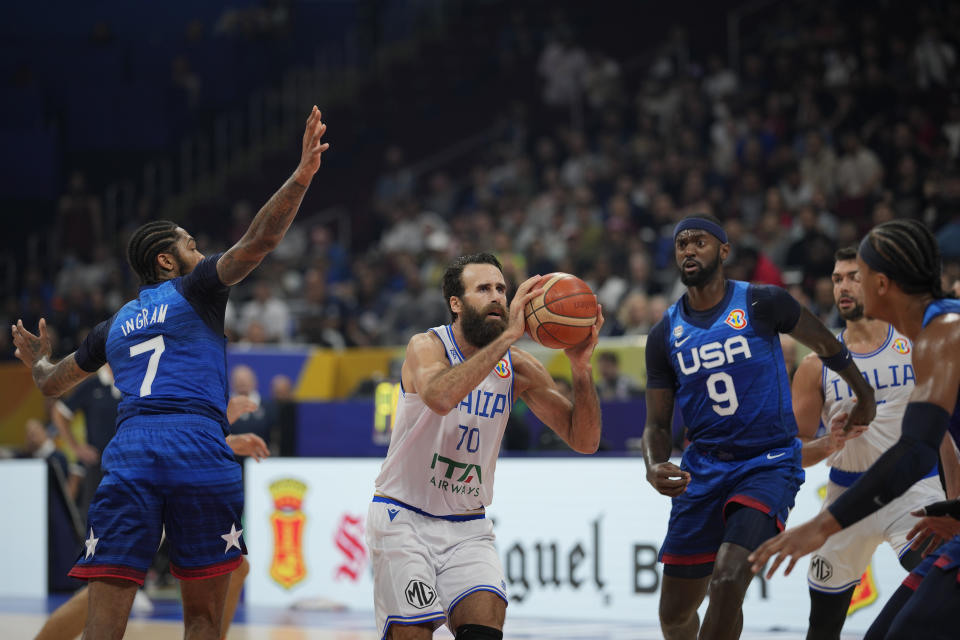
(165, 358)
(731, 380)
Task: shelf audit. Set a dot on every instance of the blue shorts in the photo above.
(768, 483)
(165, 472)
(947, 557)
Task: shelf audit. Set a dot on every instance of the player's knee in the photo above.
(674, 614)
(478, 632)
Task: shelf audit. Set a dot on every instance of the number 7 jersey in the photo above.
(726, 366)
(167, 348)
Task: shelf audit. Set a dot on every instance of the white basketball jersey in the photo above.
(444, 465)
(890, 372)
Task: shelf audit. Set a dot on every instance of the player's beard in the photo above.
(701, 276)
(854, 313)
(478, 328)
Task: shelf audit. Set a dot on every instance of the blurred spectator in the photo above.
(818, 166)
(260, 421)
(96, 399)
(79, 223)
(563, 66)
(269, 312)
(859, 173)
(64, 525)
(284, 409)
(321, 315)
(613, 384)
(414, 307)
(934, 58)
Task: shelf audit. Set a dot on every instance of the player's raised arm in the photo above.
(924, 424)
(272, 221)
(578, 423)
(427, 372)
(52, 378)
(834, 354)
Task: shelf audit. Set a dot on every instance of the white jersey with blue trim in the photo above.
(889, 371)
(444, 465)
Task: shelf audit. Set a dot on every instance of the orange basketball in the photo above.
(561, 316)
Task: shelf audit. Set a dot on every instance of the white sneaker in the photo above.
(142, 603)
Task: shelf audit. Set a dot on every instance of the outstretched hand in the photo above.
(30, 348)
(580, 354)
(313, 147)
(939, 521)
(248, 444)
(793, 544)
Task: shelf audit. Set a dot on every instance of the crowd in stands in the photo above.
(832, 120)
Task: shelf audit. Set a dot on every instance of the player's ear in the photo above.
(165, 261)
(883, 283)
(456, 305)
(724, 251)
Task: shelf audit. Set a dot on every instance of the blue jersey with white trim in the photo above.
(730, 378)
(933, 310)
(167, 348)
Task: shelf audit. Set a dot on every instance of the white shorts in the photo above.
(424, 566)
(841, 561)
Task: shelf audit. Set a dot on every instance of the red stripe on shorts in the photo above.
(88, 571)
(697, 558)
(912, 581)
(753, 503)
(942, 561)
(209, 571)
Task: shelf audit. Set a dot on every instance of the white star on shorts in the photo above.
(91, 543)
(232, 538)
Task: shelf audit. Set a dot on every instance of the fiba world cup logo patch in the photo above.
(288, 522)
(901, 346)
(502, 368)
(737, 319)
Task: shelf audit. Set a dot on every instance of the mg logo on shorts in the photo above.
(419, 594)
(820, 569)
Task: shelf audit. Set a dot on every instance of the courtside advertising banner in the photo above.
(578, 539)
(23, 536)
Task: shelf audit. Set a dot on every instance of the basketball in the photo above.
(563, 315)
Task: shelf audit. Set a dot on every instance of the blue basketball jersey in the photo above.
(167, 348)
(729, 374)
(939, 308)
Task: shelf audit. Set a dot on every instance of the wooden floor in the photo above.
(22, 618)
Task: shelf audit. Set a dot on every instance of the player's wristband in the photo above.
(943, 508)
(838, 361)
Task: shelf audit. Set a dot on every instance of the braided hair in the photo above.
(910, 246)
(146, 244)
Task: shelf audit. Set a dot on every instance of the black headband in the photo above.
(702, 224)
(878, 262)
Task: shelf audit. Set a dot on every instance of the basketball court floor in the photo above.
(20, 619)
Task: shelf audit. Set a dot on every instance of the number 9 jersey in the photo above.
(727, 368)
(167, 348)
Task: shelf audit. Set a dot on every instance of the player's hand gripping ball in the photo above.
(561, 316)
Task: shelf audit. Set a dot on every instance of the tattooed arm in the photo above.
(52, 378)
(272, 221)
